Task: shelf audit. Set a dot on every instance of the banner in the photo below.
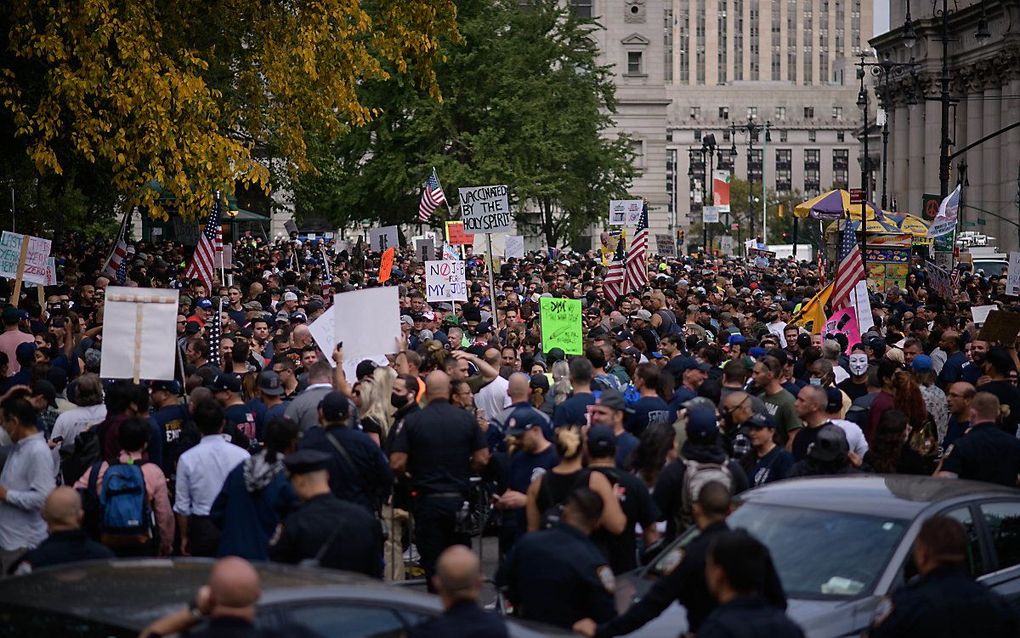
(938, 281)
(456, 236)
(721, 190)
(665, 246)
(35, 258)
(382, 238)
(844, 321)
(445, 281)
(561, 325)
(514, 247)
(945, 220)
(386, 264)
(625, 212)
(1013, 275)
(486, 209)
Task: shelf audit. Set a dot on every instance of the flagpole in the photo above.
(448, 209)
(120, 235)
(223, 270)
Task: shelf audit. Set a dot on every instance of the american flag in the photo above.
(117, 260)
(849, 270)
(616, 273)
(210, 244)
(432, 197)
(637, 265)
(327, 274)
(213, 333)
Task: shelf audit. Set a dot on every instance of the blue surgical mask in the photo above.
(815, 381)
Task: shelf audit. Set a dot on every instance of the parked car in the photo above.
(840, 544)
(114, 598)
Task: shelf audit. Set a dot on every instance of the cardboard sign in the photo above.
(625, 212)
(450, 252)
(514, 247)
(561, 325)
(424, 249)
(665, 246)
(1013, 275)
(445, 281)
(139, 333)
(1002, 326)
(456, 236)
(486, 209)
(35, 257)
(367, 323)
(323, 333)
(844, 321)
(939, 282)
(980, 313)
(382, 238)
(386, 264)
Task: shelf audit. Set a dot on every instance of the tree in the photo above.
(194, 97)
(525, 104)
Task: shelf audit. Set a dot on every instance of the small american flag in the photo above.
(327, 273)
(616, 273)
(117, 260)
(849, 270)
(213, 334)
(637, 266)
(432, 197)
(210, 246)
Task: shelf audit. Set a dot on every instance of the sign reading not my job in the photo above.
(486, 209)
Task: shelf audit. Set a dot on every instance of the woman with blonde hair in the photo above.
(376, 410)
(561, 382)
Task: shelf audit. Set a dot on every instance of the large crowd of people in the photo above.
(689, 390)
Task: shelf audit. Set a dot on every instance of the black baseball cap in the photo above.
(334, 406)
(306, 461)
(269, 383)
(226, 382)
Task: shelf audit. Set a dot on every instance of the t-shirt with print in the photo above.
(774, 466)
(648, 411)
(780, 408)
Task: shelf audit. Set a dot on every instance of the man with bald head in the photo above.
(458, 581)
(67, 541)
(810, 408)
(438, 448)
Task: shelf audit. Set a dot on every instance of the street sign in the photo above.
(856, 196)
(930, 206)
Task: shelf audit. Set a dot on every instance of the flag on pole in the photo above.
(813, 311)
(118, 258)
(213, 334)
(210, 245)
(616, 273)
(637, 265)
(849, 268)
(432, 197)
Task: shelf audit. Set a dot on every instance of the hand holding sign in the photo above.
(445, 281)
(486, 209)
(561, 325)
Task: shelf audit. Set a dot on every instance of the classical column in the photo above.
(975, 129)
(932, 126)
(991, 162)
(1008, 234)
(915, 153)
(898, 149)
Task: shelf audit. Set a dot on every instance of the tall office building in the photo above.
(688, 71)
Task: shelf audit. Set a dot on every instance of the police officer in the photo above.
(358, 471)
(737, 571)
(325, 529)
(557, 575)
(685, 580)
(438, 447)
(458, 581)
(985, 452)
(943, 600)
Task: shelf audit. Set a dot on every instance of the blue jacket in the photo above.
(255, 497)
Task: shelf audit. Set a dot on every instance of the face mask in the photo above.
(398, 401)
(815, 381)
(858, 364)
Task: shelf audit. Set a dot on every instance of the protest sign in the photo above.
(514, 247)
(1001, 326)
(445, 281)
(844, 321)
(861, 303)
(386, 265)
(485, 244)
(980, 313)
(1013, 275)
(382, 238)
(665, 246)
(486, 209)
(324, 334)
(37, 251)
(367, 323)
(726, 245)
(425, 249)
(625, 212)
(939, 282)
(450, 252)
(455, 234)
(139, 333)
(561, 325)
(945, 221)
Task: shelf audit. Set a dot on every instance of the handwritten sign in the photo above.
(939, 282)
(35, 258)
(561, 325)
(625, 212)
(386, 265)
(445, 281)
(382, 238)
(456, 236)
(844, 321)
(1013, 275)
(665, 246)
(486, 209)
(424, 249)
(514, 247)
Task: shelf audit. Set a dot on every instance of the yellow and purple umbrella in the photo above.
(833, 205)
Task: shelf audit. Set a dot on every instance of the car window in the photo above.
(330, 619)
(1003, 522)
(975, 563)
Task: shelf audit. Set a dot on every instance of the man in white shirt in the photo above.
(854, 434)
(91, 412)
(201, 472)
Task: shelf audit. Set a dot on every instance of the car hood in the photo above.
(831, 618)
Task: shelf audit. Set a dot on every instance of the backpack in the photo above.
(553, 513)
(696, 476)
(126, 515)
(86, 451)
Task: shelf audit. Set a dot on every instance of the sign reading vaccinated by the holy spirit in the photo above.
(486, 209)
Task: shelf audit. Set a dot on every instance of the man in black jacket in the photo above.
(458, 581)
(67, 541)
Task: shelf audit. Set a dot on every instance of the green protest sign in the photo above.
(561, 325)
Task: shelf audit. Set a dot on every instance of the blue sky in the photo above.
(881, 23)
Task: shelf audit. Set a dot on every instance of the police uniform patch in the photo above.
(882, 611)
(276, 535)
(536, 473)
(605, 574)
(672, 560)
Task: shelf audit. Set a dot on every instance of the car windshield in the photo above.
(822, 554)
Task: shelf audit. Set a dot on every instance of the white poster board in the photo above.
(139, 333)
(726, 245)
(980, 313)
(625, 212)
(486, 209)
(710, 214)
(424, 249)
(665, 246)
(35, 258)
(382, 238)
(514, 247)
(481, 245)
(324, 334)
(367, 323)
(862, 304)
(445, 281)
(1013, 275)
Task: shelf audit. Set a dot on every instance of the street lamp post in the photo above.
(708, 148)
(752, 129)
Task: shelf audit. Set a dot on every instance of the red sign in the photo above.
(386, 265)
(456, 236)
(857, 196)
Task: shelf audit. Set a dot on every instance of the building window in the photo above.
(812, 136)
(812, 171)
(723, 35)
(752, 112)
(684, 34)
(634, 63)
(667, 45)
(697, 135)
(784, 171)
(781, 113)
(726, 135)
(637, 149)
(840, 168)
(809, 112)
(784, 135)
(840, 136)
(837, 113)
(724, 112)
(695, 112)
(581, 8)
(754, 165)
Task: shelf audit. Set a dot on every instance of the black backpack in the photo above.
(86, 451)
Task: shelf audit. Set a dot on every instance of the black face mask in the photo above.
(398, 401)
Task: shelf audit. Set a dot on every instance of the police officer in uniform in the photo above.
(459, 584)
(685, 581)
(943, 601)
(738, 568)
(325, 529)
(437, 448)
(557, 575)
